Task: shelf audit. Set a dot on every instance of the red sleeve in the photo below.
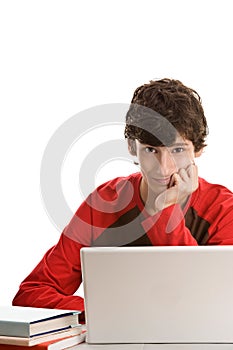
(220, 232)
(168, 228)
(56, 278)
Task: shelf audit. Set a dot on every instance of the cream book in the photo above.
(57, 340)
(19, 321)
(58, 344)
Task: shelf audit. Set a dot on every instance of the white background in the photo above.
(61, 57)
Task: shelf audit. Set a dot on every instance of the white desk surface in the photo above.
(85, 346)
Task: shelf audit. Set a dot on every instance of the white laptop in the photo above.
(158, 294)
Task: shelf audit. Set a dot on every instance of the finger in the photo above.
(192, 170)
(183, 174)
(175, 179)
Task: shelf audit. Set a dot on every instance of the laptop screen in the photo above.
(158, 294)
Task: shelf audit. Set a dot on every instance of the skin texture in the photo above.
(169, 174)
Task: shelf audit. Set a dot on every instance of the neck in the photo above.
(148, 197)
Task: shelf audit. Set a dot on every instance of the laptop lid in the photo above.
(158, 294)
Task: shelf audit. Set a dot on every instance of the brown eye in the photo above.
(150, 150)
(178, 150)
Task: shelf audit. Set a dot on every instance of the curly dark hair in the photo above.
(161, 109)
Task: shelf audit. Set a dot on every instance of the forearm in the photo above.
(55, 279)
(43, 296)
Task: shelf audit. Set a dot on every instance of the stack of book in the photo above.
(39, 328)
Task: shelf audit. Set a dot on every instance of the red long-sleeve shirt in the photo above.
(114, 215)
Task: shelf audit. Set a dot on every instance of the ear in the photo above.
(199, 153)
(132, 147)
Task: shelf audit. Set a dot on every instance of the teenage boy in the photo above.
(166, 203)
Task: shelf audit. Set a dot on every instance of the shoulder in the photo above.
(116, 194)
(119, 183)
(215, 191)
(210, 197)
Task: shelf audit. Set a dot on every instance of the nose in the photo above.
(167, 163)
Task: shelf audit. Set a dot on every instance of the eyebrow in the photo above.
(178, 144)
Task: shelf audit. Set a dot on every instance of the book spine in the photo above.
(14, 329)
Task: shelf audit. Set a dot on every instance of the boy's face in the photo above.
(158, 164)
